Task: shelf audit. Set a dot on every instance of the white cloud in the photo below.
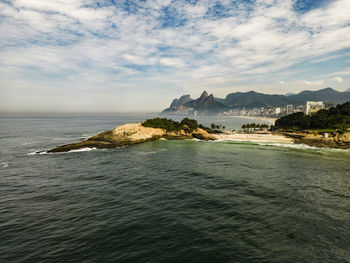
(337, 79)
(315, 83)
(345, 71)
(171, 62)
(75, 39)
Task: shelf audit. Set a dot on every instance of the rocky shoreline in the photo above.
(132, 133)
(340, 141)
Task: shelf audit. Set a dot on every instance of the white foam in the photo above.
(146, 153)
(288, 145)
(240, 140)
(37, 152)
(193, 139)
(283, 144)
(302, 146)
(86, 149)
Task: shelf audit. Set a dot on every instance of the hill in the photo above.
(254, 99)
(208, 104)
(327, 94)
(335, 118)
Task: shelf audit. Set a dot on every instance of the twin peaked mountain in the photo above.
(205, 104)
(208, 104)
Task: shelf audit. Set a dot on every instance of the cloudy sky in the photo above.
(114, 55)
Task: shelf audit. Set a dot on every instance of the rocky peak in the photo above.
(174, 103)
(210, 97)
(182, 100)
(204, 95)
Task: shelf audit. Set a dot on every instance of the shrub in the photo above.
(170, 125)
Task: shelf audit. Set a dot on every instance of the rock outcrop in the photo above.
(122, 135)
(203, 135)
(341, 141)
(131, 134)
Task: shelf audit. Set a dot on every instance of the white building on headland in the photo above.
(289, 109)
(313, 106)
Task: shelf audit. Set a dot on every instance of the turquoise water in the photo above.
(167, 201)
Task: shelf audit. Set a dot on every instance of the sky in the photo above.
(133, 56)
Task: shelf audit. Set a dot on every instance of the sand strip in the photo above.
(255, 137)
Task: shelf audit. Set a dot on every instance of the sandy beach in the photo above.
(255, 137)
(268, 119)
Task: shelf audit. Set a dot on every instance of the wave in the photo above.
(86, 149)
(146, 153)
(240, 140)
(290, 145)
(5, 164)
(194, 139)
(151, 152)
(37, 152)
(302, 147)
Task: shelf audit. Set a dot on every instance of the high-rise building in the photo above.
(313, 106)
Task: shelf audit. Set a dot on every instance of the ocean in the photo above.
(167, 201)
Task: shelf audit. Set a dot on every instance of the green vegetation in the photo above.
(254, 127)
(217, 127)
(186, 124)
(336, 118)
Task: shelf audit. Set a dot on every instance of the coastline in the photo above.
(255, 137)
(269, 119)
(339, 141)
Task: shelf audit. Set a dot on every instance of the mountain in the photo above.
(182, 100)
(208, 104)
(289, 94)
(327, 94)
(205, 104)
(254, 99)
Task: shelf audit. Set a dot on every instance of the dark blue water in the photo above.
(167, 201)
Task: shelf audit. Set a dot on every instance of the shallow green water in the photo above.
(168, 201)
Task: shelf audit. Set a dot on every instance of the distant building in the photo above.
(289, 109)
(277, 111)
(313, 106)
(329, 104)
(299, 109)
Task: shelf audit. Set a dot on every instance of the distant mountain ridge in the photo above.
(205, 104)
(208, 104)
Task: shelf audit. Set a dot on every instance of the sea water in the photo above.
(167, 201)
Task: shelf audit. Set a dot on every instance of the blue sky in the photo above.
(114, 56)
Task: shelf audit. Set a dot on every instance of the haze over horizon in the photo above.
(129, 56)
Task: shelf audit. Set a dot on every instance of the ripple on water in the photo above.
(169, 201)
